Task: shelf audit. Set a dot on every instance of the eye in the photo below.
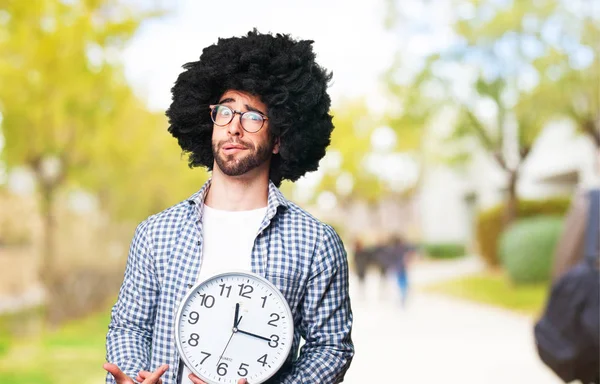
(224, 111)
(253, 116)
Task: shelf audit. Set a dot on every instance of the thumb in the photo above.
(119, 376)
(242, 381)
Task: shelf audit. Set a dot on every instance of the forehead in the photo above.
(242, 98)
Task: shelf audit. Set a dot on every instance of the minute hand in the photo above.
(253, 334)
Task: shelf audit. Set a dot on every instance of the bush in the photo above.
(490, 222)
(527, 248)
(444, 250)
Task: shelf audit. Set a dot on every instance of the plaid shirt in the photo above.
(303, 257)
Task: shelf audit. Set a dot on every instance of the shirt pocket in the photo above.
(291, 288)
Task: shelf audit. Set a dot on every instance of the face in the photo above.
(236, 151)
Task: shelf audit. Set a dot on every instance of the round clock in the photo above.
(234, 325)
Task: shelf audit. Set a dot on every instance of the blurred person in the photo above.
(568, 333)
(366, 257)
(255, 111)
(398, 256)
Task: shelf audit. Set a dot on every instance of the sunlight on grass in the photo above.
(494, 288)
(72, 354)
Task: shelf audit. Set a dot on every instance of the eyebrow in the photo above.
(248, 107)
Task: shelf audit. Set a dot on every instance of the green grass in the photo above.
(74, 353)
(495, 289)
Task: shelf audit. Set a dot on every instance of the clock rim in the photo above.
(228, 274)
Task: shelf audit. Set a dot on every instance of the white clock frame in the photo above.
(218, 330)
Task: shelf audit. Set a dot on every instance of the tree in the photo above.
(557, 44)
(532, 62)
(62, 85)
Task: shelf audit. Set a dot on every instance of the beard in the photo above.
(232, 166)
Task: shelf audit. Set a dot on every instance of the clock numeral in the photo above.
(274, 340)
(246, 290)
(243, 368)
(264, 301)
(194, 316)
(223, 288)
(193, 341)
(263, 359)
(222, 369)
(207, 300)
(207, 356)
(276, 318)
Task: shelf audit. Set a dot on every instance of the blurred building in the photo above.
(561, 161)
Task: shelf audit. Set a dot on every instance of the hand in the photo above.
(143, 375)
(149, 377)
(253, 334)
(196, 380)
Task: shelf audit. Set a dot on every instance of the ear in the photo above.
(276, 145)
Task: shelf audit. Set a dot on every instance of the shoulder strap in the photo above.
(592, 235)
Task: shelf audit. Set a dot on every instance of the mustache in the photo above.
(221, 144)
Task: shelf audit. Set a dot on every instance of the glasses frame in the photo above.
(234, 112)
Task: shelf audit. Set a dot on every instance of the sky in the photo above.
(349, 37)
(349, 40)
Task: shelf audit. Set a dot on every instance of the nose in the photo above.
(235, 126)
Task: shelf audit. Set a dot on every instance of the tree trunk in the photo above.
(48, 271)
(512, 200)
(590, 127)
(49, 223)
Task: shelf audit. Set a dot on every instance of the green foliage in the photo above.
(495, 289)
(489, 223)
(527, 248)
(351, 143)
(444, 250)
(64, 97)
(54, 99)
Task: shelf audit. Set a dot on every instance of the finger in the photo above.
(154, 378)
(119, 376)
(195, 379)
(142, 375)
(242, 381)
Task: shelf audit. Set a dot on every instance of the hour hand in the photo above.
(253, 334)
(236, 321)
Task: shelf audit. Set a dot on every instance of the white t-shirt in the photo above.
(227, 242)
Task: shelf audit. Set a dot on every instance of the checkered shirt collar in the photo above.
(275, 198)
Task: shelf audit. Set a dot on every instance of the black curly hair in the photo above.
(283, 73)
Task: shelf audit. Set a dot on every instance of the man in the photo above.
(254, 110)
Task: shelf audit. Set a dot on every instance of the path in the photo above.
(437, 339)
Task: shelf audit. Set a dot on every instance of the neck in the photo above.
(238, 193)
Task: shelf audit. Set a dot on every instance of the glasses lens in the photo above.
(252, 121)
(221, 115)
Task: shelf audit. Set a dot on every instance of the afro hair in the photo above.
(283, 73)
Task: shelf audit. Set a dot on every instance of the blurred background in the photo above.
(465, 127)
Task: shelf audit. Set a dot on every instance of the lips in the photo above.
(232, 146)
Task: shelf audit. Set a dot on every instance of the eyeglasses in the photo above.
(251, 121)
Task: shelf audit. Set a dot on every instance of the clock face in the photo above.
(234, 325)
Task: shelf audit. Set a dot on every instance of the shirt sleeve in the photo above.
(326, 318)
(129, 337)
